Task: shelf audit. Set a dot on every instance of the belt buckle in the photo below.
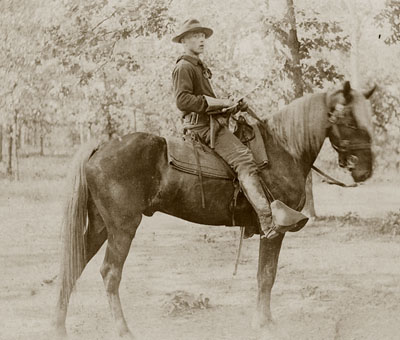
(194, 118)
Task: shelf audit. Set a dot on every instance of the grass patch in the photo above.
(180, 303)
(387, 225)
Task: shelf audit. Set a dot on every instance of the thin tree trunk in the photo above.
(15, 138)
(41, 140)
(19, 135)
(10, 148)
(109, 129)
(41, 145)
(294, 46)
(35, 134)
(297, 77)
(1, 142)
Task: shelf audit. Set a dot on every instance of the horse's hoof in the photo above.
(272, 331)
(259, 322)
(127, 336)
(60, 333)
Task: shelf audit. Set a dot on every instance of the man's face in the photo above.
(194, 42)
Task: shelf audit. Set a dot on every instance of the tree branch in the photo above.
(104, 20)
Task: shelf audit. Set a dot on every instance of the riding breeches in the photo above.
(231, 149)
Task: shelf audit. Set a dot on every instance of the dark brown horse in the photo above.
(115, 185)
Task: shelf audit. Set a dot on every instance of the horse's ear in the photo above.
(369, 93)
(347, 92)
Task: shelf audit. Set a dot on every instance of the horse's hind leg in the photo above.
(118, 245)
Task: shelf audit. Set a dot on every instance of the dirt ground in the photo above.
(337, 278)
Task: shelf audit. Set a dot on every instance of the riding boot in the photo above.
(254, 192)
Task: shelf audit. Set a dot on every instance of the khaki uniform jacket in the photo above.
(190, 79)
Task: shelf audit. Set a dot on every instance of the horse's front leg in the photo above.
(267, 266)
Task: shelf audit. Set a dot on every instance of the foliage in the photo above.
(386, 109)
(316, 39)
(90, 45)
(390, 17)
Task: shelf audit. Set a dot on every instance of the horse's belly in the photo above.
(181, 196)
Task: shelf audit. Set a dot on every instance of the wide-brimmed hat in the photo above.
(191, 25)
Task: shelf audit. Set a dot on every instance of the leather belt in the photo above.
(194, 119)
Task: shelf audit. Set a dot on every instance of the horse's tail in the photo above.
(74, 223)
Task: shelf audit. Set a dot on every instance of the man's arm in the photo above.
(186, 101)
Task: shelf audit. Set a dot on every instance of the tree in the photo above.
(91, 45)
(389, 18)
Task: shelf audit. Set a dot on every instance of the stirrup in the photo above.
(284, 219)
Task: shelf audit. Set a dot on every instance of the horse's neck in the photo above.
(301, 128)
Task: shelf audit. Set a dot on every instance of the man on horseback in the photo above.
(195, 98)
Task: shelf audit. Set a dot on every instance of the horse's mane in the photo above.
(300, 127)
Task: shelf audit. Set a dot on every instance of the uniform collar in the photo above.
(193, 60)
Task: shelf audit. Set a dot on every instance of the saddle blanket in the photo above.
(184, 155)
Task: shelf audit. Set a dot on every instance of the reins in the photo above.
(331, 179)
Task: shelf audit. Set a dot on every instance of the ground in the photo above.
(339, 278)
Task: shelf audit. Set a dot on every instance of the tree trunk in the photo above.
(15, 138)
(294, 46)
(109, 128)
(10, 148)
(19, 135)
(41, 145)
(1, 142)
(35, 133)
(41, 139)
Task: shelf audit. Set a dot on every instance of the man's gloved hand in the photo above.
(229, 102)
(215, 104)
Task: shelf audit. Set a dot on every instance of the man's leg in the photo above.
(240, 158)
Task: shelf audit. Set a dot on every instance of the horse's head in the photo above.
(350, 130)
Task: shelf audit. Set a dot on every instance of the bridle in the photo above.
(341, 115)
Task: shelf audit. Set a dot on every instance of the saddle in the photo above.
(193, 157)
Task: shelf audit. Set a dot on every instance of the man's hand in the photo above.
(214, 104)
(229, 102)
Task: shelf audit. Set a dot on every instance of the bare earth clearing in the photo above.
(338, 278)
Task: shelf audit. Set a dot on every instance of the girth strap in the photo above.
(196, 154)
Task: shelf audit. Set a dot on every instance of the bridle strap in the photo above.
(331, 179)
(344, 145)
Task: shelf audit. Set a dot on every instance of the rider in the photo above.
(195, 98)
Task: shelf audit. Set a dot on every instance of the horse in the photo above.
(114, 184)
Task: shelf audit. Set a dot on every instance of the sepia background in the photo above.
(73, 71)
